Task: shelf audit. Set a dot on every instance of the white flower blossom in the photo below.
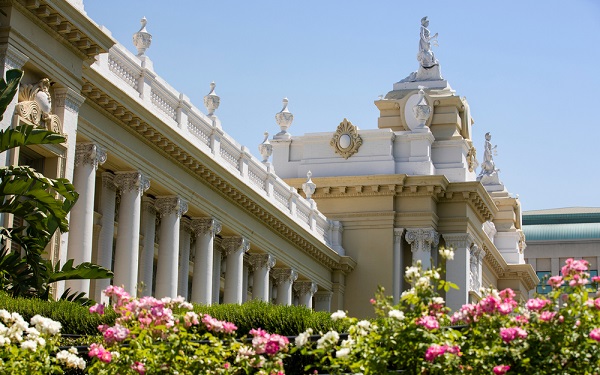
(437, 300)
(422, 282)
(70, 359)
(302, 338)
(412, 272)
(342, 353)
(29, 344)
(447, 254)
(46, 325)
(396, 314)
(328, 339)
(338, 315)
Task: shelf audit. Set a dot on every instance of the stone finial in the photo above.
(142, 39)
(422, 111)
(265, 148)
(309, 187)
(284, 119)
(212, 100)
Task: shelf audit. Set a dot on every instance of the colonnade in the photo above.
(146, 266)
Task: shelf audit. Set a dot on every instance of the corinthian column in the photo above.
(305, 290)
(284, 278)
(233, 249)
(146, 268)
(421, 241)
(458, 269)
(217, 260)
(87, 158)
(261, 265)
(398, 274)
(185, 239)
(205, 230)
(132, 185)
(107, 232)
(170, 210)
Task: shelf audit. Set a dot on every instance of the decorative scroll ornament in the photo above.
(233, 244)
(284, 275)
(35, 106)
(346, 140)
(212, 100)
(305, 287)
(265, 148)
(89, 153)
(258, 261)
(284, 119)
(421, 239)
(166, 206)
(202, 226)
(142, 39)
(132, 181)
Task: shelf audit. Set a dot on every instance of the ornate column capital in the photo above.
(108, 181)
(170, 205)
(132, 181)
(89, 153)
(13, 58)
(305, 287)
(232, 244)
(68, 98)
(185, 224)
(458, 240)
(258, 261)
(204, 225)
(421, 239)
(282, 275)
(398, 232)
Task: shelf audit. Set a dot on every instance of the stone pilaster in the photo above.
(422, 240)
(458, 269)
(323, 300)
(398, 271)
(185, 242)
(148, 231)
(233, 250)
(170, 209)
(132, 185)
(284, 279)
(81, 234)
(217, 263)
(107, 232)
(305, 291)
(261, 265)
(205, 230)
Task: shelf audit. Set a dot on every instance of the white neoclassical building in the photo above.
(175, 206)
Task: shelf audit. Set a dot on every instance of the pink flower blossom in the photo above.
(536, 304)
(507, 294)
(372, 301)
(596, 279)
(489, 304)
(99, 352)
(429, 322)
(573, 267)
(547, 316)
(509, 334)
(578, 280)
(595, 334)
(117, 333)
(555, 281)
(501, 369)
(505, 308)
(139, 367)
(97, 309)
(435, 351)
(597, 303)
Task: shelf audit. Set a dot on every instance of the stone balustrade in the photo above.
(135, 77)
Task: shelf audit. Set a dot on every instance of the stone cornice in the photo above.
(119, 109)
(474, 194)
(67, 24)
(523, 272)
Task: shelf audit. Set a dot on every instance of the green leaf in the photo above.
(85, 270)
(9, 88)
(27, 135)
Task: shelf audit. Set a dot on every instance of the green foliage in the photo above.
(9, 88)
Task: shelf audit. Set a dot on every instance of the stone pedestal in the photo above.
(419, 160)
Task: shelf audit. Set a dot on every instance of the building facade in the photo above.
(175, 206)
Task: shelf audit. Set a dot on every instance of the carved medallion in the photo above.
(346, 140)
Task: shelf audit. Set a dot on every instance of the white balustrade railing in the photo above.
(126, 71)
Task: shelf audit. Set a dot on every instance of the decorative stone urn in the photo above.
(142, 39)
(284, 119)
(265, 148)
(309, 187)
(212, 100)
(422, 111)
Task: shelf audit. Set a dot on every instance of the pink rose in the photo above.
(595, 334)
(501, 369)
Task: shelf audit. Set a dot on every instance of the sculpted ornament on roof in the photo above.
(35, 106)
(345, 140)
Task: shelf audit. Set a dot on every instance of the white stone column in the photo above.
(305, 291)
(81, 225)
(245, 277)
(205, 230)
(170, 210)
(185, 242)
(106, 236)
(284, 279)
(66, 103)
(458, 270)
(217, 261)
(398, 273)
(261, 265)
(148, 231)
(323, 301)
(233, 250)
(421, 241)
(132, 185)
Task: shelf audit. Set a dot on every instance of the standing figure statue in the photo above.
(489, 172)
(425, 55)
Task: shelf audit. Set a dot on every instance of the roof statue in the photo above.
(429, 66)
(489, 172)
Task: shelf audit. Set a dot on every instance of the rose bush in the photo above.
(164, 336)
(555, 333)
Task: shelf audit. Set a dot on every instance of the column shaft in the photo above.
(284, 279)
(107, 232)
(146, 266)
(261, 265)
(202, 280)
(184, 257)
(305, 291)
(234, 248)
(398, 273)
(458, 269)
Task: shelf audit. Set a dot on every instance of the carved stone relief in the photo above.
(35, 104)
(345, 140)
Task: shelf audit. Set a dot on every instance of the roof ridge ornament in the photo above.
(429, 66)
(142, 39)
(284, 119)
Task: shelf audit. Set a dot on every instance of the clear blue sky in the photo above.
(529, 69)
